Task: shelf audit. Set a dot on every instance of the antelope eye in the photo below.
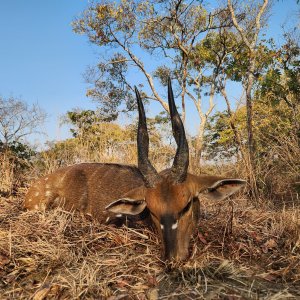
(186, 209)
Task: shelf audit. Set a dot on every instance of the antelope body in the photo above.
(171, 197)
(86, 187)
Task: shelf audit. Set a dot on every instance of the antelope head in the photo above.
(171, 196)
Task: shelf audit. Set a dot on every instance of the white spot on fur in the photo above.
(47, 186)
(29, 200)
(107, 219)
(48, 193)
(162, 226)
(37, 193)
(46, 178)
(174, 226)
(119, 215)
(36, 207)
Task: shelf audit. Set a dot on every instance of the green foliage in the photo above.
(220, 139)
(225, 52)
(282, 80)
(269, 122)
(82, 121)
(109, 87)
(88, 126)
(19, 150)
(276, 126)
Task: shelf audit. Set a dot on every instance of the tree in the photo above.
(168, 29)
(221, 49)
(225, 51)
(276, 120)
(281, 82)
(18, 120)
(249, 31)
(83, 122)
(277, 145)
(96, 140)
(220, 136)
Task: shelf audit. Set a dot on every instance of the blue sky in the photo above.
(42, 60)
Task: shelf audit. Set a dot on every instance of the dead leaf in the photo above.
(41, 293)
(140, 287)
(269, 244)
(122, 283)
(267, 276)
(4, 260)
(255, 236)
(142, 296)
(201, 238)
(152, 294)
(118, 297)
(152, 281)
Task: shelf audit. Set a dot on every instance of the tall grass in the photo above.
(7, 173)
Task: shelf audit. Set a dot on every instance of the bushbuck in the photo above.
(171, 196)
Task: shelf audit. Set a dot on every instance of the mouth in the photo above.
(176, 256)
(174, 263)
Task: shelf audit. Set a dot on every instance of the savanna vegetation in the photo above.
(247, 247)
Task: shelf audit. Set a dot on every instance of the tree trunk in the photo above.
(250, 142)
(236, 133)
(196, 160)
(249, 107)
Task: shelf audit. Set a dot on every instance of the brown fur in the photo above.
(86, 187)
(169, 198)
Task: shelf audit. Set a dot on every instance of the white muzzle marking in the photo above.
(174, 226)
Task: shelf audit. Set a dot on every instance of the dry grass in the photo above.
(7, 169)
(239, 252)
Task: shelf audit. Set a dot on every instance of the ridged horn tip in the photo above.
(148, 171)
(181, 160)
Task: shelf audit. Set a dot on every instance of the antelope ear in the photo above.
(133, 203)
(127, 206)
(222, 188)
